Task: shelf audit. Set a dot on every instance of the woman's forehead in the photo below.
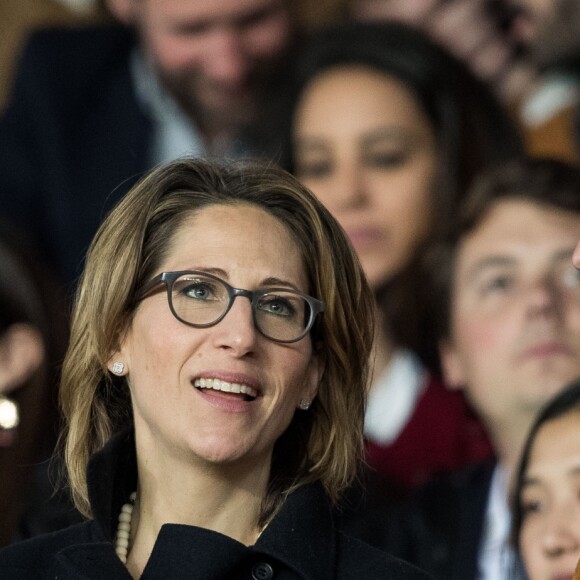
(236, 238)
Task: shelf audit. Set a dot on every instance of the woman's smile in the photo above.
(227, 387)
(232, 396)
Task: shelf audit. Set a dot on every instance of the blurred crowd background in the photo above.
(444, 135)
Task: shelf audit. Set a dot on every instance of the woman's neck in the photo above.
(225, 499)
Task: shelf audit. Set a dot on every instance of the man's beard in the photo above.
(220, 114)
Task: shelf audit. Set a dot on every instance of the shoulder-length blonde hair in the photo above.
(323, 444)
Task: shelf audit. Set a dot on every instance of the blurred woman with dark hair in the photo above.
(545, 503)
(388, 130)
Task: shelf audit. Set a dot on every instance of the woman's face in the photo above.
(165, 359)
(367, 150)
(550, 498)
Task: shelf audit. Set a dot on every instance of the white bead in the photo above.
(124, 529)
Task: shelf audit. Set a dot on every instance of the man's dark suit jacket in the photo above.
(441, 528)
(72, 141)
(447, 526)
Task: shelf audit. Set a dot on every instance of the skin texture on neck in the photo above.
(226, 499)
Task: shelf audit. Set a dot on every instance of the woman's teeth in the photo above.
(219, 385)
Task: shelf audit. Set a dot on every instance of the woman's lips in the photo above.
(546, 349)
(225, 386)
(235, 395)
(364, 237)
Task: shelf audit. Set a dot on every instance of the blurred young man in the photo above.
(508, 301)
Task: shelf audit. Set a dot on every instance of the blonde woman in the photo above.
(214, 387)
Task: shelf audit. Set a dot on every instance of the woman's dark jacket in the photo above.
(301, 542)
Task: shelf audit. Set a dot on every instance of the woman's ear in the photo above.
(21, 354)
(120, 359)
(117, 364)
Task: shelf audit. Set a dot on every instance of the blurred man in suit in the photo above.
(94, 108)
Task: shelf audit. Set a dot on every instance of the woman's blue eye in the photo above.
(198, 291)
(277, 306)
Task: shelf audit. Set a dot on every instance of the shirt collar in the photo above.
(496, 557)
(174, 134)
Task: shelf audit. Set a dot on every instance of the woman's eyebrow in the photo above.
(310, 142)
(389, 133)
(273, 281)
(269, 281)
(209, 270)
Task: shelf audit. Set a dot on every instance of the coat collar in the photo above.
(301, 537)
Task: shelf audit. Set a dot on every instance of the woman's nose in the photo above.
(561, 532)
(349, 187)
(236, 331)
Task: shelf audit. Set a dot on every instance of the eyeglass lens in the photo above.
(202, 300)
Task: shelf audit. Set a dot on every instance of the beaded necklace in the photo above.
(124, 528)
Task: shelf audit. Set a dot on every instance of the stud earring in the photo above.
(304, 404)
(118, 368)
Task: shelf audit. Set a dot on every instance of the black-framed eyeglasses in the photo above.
(201, 300)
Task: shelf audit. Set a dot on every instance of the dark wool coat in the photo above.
(441, 529)
(300, 543)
